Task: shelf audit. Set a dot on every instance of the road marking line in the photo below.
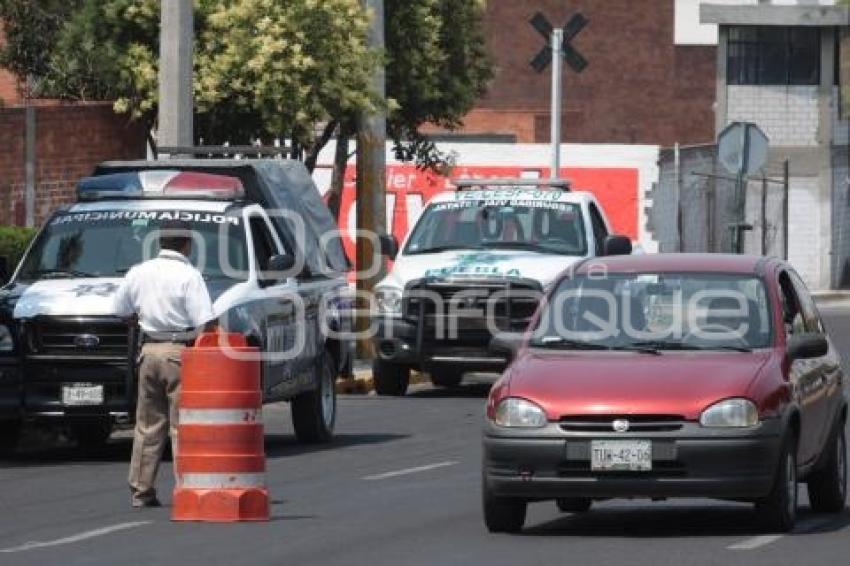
(408, 471)
(76, 538)
(755, 542)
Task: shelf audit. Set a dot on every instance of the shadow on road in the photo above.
(283, 445)
(50, 454)
(661, 522)
(475, 391)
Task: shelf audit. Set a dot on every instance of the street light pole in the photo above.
(557, 99)
(175, 124)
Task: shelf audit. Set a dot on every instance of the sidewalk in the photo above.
(362, 382)
(832, 298)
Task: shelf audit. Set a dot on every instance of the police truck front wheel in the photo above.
(446, 376)
(92, 435)
(390, 379)
(314, 412)
(10, 432)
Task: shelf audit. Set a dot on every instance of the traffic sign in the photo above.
(574, 58)
(742, 148)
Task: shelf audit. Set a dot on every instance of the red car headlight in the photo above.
(514, 412)
(731, 413)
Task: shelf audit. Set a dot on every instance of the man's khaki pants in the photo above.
(156, 416)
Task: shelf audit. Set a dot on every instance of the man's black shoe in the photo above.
(140, 504)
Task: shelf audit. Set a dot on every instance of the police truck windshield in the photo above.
(109, 243)
(540, 226)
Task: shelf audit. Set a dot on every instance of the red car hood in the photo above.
(625, 383)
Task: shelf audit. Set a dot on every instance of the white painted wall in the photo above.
(689, 30)
(806, 239)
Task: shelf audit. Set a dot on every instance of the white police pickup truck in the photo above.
(476, 264)
(261, 242)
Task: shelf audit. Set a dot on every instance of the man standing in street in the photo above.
(171, 300)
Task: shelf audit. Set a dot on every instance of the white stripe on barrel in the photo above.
(222, 481)
(220, 416)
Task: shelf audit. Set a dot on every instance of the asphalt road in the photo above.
(399, 486)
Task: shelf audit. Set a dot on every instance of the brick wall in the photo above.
(9, 86)
(639, 87)
(70, 141)
(787, 114)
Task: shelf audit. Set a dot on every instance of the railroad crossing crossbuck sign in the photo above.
(559, 48)
(574, 59)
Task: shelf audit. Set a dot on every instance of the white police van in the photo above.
(476, 263)
(65, 358)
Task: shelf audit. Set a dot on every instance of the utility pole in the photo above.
(371, 181)
(175, 125)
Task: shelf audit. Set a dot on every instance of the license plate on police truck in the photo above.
(621, 455)
(77, 394)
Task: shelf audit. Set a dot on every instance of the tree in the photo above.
(437, 68)
(30, 29)
(296, 69)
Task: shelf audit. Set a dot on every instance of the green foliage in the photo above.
(438, 66)
(13, 242)
(282, 68)
(264, 68)
(30, 29)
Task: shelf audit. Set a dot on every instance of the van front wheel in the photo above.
(314, 412)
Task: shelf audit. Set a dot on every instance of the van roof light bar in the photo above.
(160, 184)
(465, 184)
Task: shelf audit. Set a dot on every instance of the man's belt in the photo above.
(186, 337)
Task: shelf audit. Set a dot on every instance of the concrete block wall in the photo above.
(787, 114)
(806, 239)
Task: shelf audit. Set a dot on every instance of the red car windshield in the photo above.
(658, 311)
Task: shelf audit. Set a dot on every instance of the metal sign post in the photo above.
(559, 48)
(557, 74)
(742, 149)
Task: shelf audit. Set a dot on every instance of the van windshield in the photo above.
(109, 243)
(541, 226)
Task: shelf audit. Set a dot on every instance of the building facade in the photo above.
(778, 66)
(643, 86)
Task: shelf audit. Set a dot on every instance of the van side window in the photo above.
(792, 312)
(807, 304)
(600, 232)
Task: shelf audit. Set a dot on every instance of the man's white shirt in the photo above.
(167, 293)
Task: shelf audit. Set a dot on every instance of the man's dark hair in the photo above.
(174, 235)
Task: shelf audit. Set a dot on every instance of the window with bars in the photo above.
(774, 56)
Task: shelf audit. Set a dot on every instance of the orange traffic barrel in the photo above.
(221, 463)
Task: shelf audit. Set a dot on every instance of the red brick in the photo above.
(70, 141)
(639, 88)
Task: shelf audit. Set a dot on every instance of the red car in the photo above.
(664, 376)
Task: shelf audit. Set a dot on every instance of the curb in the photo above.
(363, 384)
